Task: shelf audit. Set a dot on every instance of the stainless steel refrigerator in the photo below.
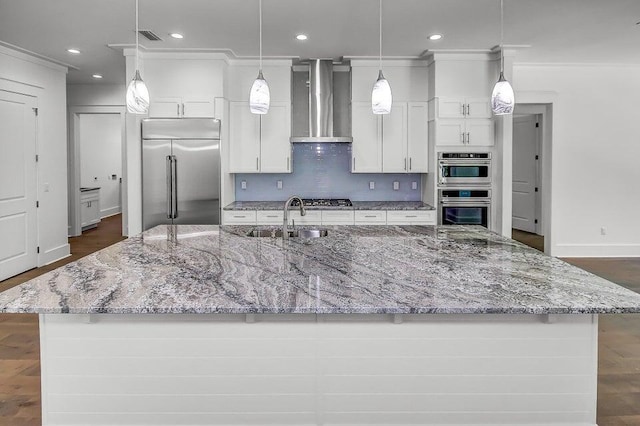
(180, 171)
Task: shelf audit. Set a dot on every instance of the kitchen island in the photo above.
(195, 325)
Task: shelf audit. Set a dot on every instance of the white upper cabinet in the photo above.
(366, 149)
(183, 88)
(394, 139)
(417, 137)
(244, 139)
(259, 143)
(459, 107)
(275, 148)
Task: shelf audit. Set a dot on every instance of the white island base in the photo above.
(307, 369)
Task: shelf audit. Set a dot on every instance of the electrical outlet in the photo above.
(279, 184)
(372, 185)
(396, 185)
(243, 184)
(414, 185)
(603, 231)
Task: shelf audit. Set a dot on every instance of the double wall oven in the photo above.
(464, 188)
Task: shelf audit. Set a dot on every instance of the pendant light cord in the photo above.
(260, 8)
(380, 32)
(137, 47)
(501, 36)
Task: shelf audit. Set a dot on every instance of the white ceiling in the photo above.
(566, 31)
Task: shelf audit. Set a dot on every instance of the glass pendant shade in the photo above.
(137, 96)
(259, 97)
(381, 96)
(502, 99)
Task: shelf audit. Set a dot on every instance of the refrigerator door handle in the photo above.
(174, 185)
(169, 187)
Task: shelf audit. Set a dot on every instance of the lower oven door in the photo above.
(452, 213)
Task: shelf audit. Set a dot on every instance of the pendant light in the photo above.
(137, 92)
(381, 94)
(259, 96)
(502, 98)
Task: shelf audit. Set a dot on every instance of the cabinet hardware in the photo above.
(38, 249)
(239, 217)
(410, 216)
(463, 109)
(405, 163)
(372, 216)
(272, 216)
(468, 109)
(354, 163)
(178, 110)
(287, 163)
(462, 138)
(35, 111)
(468, 138)
(257, 163)
(409, 163)
(183, 110)
(37, 203)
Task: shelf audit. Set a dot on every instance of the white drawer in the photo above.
(313, 217)
(370, 217)
(337, 217)
(270, 217)
(411, 217)
(239, 217)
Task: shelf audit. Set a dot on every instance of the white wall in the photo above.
(595, 151)
(101, 158)
(96, 94)
(45, 80)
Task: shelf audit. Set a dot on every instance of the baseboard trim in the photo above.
(111, 211)
(55, 254)
(597, 250)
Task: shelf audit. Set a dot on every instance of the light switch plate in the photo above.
(396, 185)
(414, 185)
(243, 184)
(372, 185)
(279, 184)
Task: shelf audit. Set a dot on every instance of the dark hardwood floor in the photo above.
(619, 347)
(532, 240)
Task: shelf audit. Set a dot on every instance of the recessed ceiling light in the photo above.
(435, 37)
(74, 51)
(302, 37)
(176, 35)
(98, 76)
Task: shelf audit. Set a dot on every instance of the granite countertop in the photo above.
(355, 269)
(357, 205)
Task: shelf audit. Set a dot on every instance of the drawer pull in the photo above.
(271, 215)
(411, 216)
(371, 215)
(239, 217)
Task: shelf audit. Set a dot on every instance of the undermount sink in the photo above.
(298, 233)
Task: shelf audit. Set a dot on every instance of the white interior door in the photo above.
(17, 184)
(525, 148)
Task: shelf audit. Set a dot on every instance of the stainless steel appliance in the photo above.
(323, 202)
(180, 171)
(465, 206)
(321, 101)
(464, 168)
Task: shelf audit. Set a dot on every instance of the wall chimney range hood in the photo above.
(321, 96)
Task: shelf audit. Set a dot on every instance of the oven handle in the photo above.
(464, 162)
(478, 201)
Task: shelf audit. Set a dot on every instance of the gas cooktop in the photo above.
(310, 202)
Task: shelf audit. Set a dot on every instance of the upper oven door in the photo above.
(464, 172)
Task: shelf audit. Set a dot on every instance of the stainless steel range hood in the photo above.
(321, 102)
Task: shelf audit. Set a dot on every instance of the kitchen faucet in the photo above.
(285, 223)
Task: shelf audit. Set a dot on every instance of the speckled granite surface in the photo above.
(357, 205)
(355, 269)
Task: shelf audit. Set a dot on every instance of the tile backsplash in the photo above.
(322, 170)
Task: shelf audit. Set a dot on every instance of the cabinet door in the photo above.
(244, 139)
(367, 139)
(394, 139)
(480, 132)
(450, 108)
(165, 108)
(418, 137)
(450, 131)
(478, 108)
(198, 109)
(275, 147)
